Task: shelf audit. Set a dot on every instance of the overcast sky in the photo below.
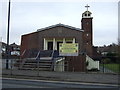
(27, 17)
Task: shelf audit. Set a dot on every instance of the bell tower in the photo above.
(86, 25)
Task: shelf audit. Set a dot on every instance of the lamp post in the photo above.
(7, 47)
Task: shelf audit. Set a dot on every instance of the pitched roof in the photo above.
(87, 12)
(67, 26)
(3, 44)
(14, 45)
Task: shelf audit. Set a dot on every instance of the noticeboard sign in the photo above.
(68, 49)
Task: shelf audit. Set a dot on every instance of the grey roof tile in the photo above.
(67, 26)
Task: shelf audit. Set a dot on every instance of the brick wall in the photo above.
(75, 63)
(87, 35)
(36, 40)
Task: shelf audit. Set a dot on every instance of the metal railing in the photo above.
(110, 68)
(15, 69)
(15, 64)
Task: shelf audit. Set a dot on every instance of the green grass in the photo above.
(112, 67)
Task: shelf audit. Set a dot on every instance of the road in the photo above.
(27, 83)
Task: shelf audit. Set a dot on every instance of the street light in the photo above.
(7, 47)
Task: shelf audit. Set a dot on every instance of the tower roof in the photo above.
(86, 14)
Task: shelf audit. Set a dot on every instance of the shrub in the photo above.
(106, 60)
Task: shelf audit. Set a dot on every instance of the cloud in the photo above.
(27, 17)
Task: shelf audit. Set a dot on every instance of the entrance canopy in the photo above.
(53, 43)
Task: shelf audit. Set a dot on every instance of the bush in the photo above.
(106, 60)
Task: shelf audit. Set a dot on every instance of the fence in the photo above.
(62, 76)
(110, 68)
(14, 64)
(11, 63)
(33, 64)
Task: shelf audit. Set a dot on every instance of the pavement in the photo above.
(84, 77)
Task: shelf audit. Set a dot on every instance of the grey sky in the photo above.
(119, 21)
(27, 17)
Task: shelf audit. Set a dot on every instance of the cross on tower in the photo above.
(87, 7)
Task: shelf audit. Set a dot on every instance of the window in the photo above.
(87, 34)
(85, 14)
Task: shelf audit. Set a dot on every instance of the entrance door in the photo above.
(50, 46)
(58, 45)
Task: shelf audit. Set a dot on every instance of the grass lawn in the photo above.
(113, 67)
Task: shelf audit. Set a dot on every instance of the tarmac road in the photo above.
(28, 83)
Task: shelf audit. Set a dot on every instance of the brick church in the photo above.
(49, 38)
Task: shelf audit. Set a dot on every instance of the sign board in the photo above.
(68, 49)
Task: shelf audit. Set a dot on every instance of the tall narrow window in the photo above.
(87, 34)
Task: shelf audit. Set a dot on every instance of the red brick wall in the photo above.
(36, 39)
(29, 41)
(87, 40)
(75, 63)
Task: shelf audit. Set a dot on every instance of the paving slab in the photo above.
(64, 76)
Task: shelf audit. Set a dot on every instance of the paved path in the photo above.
(64, 76)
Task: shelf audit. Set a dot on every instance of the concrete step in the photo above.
(45, 63)
(41, 69)
(35, 61)
(37, 65)
(32, 66)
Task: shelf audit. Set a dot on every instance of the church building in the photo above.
(50, 38)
